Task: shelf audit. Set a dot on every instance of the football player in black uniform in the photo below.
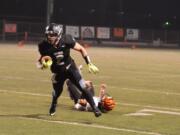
(57, 45)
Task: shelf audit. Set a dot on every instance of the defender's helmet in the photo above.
(108, 103)
(54, 30)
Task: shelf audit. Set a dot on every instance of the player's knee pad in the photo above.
(53, 78)
(82, 84)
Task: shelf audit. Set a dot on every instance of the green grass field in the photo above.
(144, 82)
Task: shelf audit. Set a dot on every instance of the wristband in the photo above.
(87, 59)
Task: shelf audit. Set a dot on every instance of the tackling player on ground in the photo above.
(103, 101)
(57, 46)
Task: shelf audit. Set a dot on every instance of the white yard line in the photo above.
(94, 126)
(146, 112)
(149, 106)
(159, 111)
(113, 87)
(138, 114)
(22, 78)
(125, 104)
(119, 103)
(152, 91)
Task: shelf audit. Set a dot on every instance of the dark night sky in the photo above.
(128, 13)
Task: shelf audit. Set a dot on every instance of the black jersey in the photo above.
(60, 54)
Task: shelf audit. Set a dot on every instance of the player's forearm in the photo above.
(85, 56)
(83, 52)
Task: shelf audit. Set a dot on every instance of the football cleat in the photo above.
(97, 112)
(52, 109)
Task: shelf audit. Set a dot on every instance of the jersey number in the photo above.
(59, 57)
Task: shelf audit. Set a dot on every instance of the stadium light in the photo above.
(166, 24)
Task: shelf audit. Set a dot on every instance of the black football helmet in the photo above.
(53, 32)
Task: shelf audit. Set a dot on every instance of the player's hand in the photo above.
(92, 68)
(39, 65)
(46, 62)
